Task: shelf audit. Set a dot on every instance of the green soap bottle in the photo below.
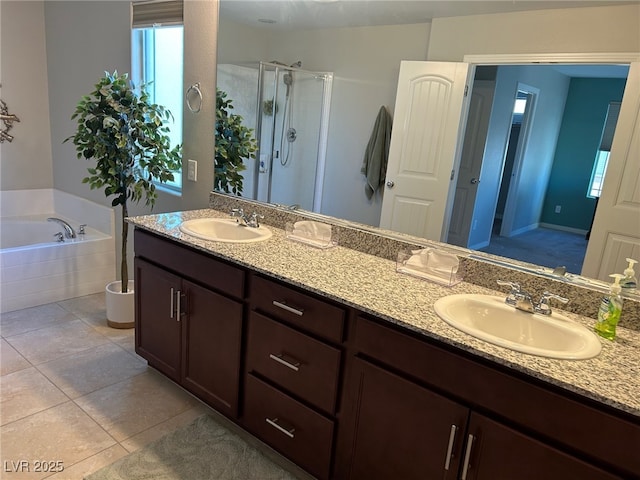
(610, 310)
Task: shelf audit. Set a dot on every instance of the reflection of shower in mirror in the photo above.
(288, 109)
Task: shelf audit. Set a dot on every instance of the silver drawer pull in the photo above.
(171, 305)
(467, 456)
(452, 438)
(274, 423)
(286, 307)
(278, 358)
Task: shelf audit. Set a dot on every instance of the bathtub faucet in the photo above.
(69, 232)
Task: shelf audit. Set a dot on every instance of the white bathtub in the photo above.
(37, 269)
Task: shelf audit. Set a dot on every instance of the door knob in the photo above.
(474, 181)
(390, 184)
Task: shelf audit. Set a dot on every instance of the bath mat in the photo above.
(203, 450)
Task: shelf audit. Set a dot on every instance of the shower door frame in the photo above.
(323, 134)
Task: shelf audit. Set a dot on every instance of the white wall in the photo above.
(365, 62)
(592, 29)
(79, 51)
(26, 162)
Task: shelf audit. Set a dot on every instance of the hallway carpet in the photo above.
(542, 246)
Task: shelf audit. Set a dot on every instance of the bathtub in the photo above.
(35, 268)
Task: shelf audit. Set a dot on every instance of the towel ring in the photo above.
(188, 96)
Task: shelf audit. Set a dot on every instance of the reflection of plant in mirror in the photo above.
(234, 143)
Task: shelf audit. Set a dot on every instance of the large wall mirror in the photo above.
(310, 79)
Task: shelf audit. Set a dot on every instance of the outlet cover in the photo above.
(558, 208)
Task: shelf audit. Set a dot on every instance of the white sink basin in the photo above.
(224, 230)
(490, 319)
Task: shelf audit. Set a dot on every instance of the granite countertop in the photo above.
(371, 284)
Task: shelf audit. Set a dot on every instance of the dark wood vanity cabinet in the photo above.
(413, 411)
(349, 397)
(191, 333)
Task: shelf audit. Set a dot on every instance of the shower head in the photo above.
(297, 64)
(287, 78)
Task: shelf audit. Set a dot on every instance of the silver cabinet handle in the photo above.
(278, 358)
(178, 308)
(286, 307)
(274, 423)
(391, 184)
(452, 439)
(171, 304)
(467, 456)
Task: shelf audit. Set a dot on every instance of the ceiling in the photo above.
(305, 14)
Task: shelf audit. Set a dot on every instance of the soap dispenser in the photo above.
(610, 310)
(629, 280)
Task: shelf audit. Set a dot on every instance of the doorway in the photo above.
(533, 187)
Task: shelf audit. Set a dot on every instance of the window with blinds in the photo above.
(157, 44)
(602, 156)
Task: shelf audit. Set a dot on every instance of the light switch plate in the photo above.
(192, 170)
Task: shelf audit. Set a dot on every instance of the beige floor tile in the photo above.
(60, 434)
(91, 464)
(28, 319)
(136, 404)
(26, 392)
(10, 360)
(128, 344)
(158, 431)
(92, 369)
(56, 341)
(89, 306)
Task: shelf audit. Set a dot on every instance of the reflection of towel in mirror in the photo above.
(376, 154)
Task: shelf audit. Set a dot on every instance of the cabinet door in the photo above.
(212, 339)
(158, 324)
(493, 451)
(403, 431)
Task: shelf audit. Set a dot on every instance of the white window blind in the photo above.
(609, 126)
(147, 13)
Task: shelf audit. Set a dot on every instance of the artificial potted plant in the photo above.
(234, 143)
(125, 134)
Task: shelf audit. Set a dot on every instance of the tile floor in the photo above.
(74, 393)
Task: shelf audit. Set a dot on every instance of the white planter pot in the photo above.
(120, 306)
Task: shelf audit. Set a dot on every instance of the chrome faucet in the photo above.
(521, 300)
(246, 220)
(69, 232)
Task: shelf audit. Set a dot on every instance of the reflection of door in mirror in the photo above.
(287, 108)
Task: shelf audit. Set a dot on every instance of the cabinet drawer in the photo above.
(296, 431)
(304, 366)
(215, 274)
(298, 308)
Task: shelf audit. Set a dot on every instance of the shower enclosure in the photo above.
(288, 109)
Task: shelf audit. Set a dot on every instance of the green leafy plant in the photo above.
(125, 134)
(234, 143)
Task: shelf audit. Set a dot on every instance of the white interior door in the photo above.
(616, 228)
(475, 138)
(425, 141)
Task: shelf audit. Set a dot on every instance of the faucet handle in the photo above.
(543, 306)
(253, 219)
(237, 212)
(512, 298)
(81, 229)
(59, 236)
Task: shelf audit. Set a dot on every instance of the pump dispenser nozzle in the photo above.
(629, 279)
